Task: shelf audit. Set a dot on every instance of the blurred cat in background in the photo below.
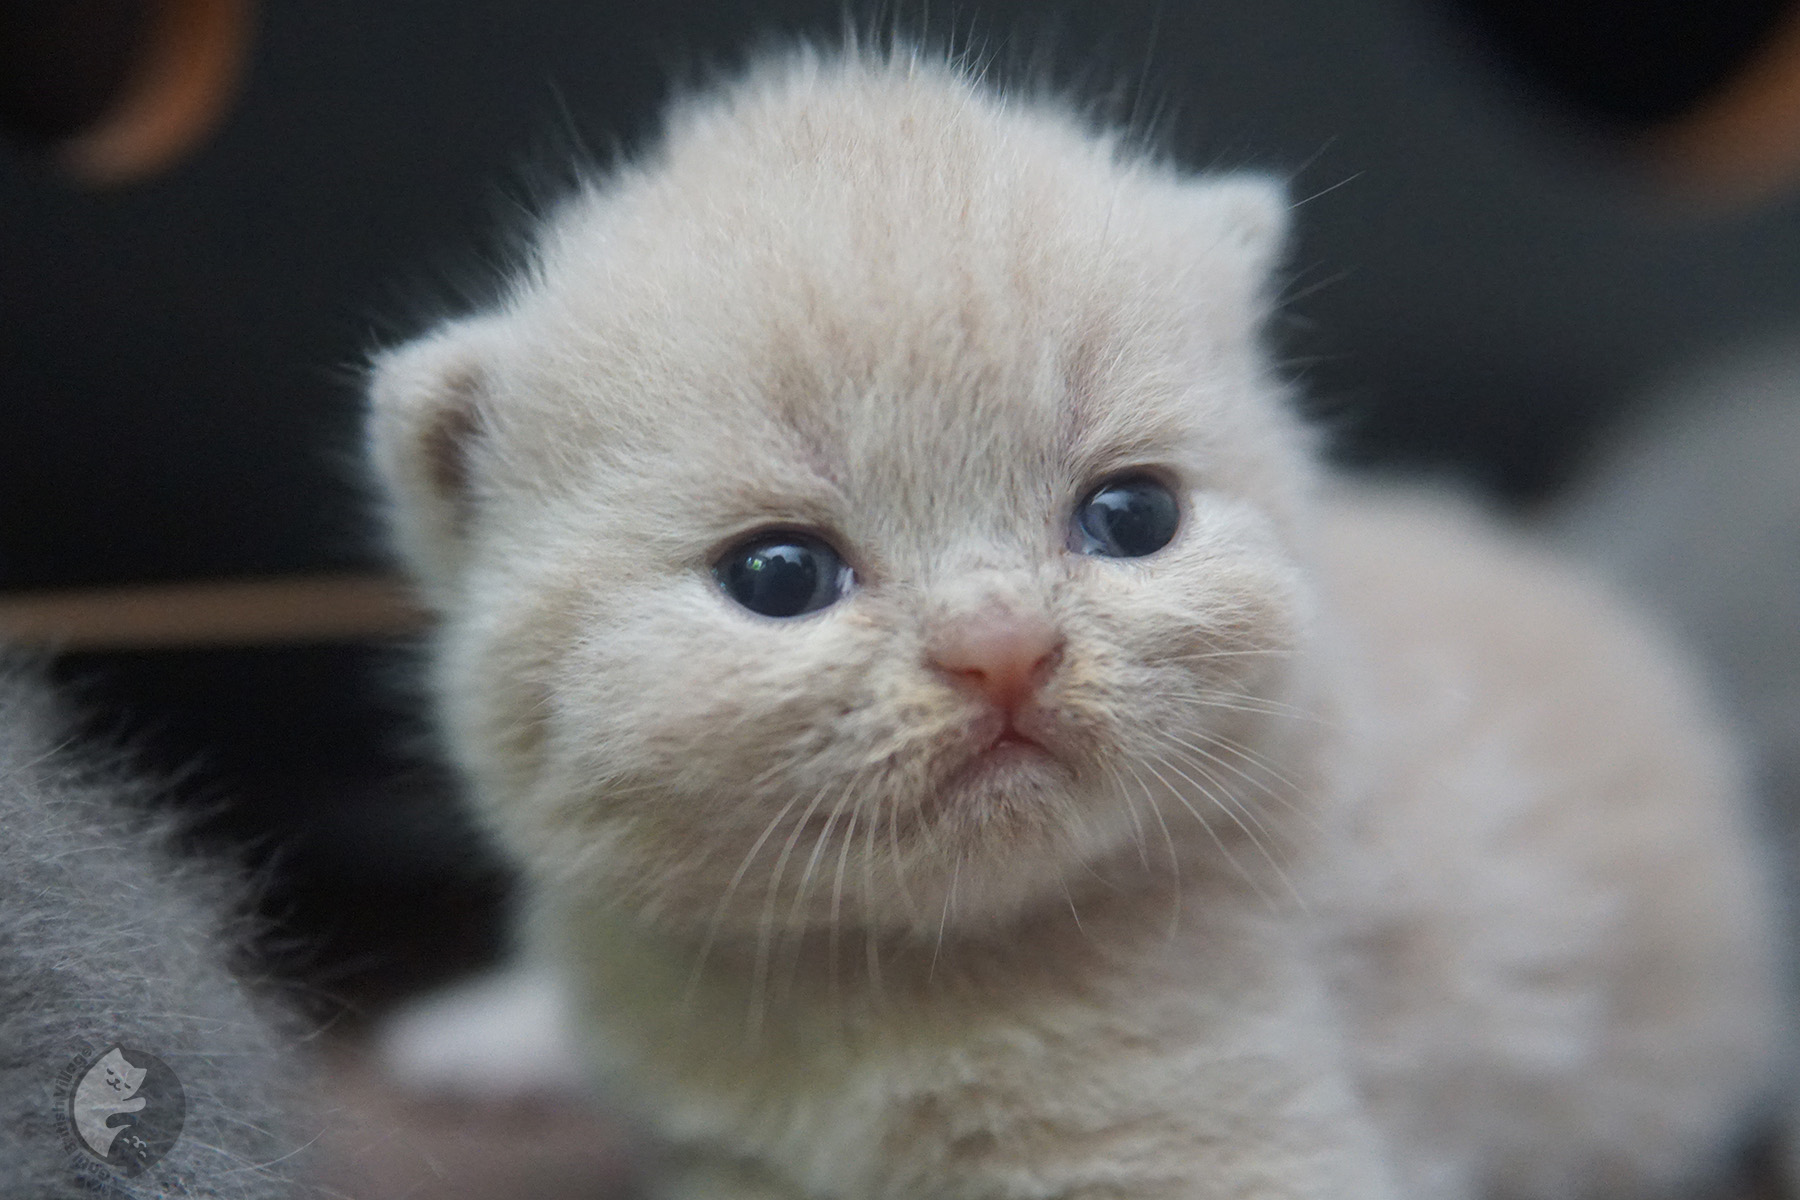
(961, 744)
(108, 938)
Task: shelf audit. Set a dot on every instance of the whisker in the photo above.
(1218, 799)
(1250, 756)
(795, 922)
(1242, 702)
(871, 944)
(1287, 802)
(1243, 652)
(1063, 883)
(892, 809)
(944, 918)
(766, 928)
(1131, 809)
(1213, 834)
(1176, 755)
(1186, 750)
(718, 917)
(837, 898)
(1169, 840)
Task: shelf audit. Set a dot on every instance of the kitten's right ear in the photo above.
(1246, 216)
(430, 405)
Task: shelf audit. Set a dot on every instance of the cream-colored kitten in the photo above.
(958, 744)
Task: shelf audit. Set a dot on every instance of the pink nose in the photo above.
(997, 653)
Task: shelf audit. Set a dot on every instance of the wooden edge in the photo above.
(253, 612)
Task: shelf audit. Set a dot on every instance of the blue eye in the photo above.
(1126, 517)
(783, 574)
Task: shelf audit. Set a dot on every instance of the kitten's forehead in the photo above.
(879, 277)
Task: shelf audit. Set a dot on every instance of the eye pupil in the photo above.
(1128, 517)
(782, 574)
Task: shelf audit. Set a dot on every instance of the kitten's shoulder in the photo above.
(1417, 563)
(1433, 595)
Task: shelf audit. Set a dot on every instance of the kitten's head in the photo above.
(873, 508)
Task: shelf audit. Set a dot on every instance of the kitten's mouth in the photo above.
(1002, 748)
(1010, 739)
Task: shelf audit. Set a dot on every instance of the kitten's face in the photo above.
(867, 321)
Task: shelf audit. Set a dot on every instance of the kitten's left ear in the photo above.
(430, 417)
(1244, 220)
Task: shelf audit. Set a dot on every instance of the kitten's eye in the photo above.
(1126, 517)
(783, 574)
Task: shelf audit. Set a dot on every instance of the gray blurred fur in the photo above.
(106, 937)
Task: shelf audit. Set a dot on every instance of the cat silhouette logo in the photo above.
(127, 1108)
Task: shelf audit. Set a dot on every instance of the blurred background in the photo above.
(1512, 218)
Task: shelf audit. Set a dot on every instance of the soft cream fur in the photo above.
(1696, 506)
(1376, 855)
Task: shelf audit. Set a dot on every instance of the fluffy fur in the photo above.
(1368, 853)
(105, 939)
(1697, 508)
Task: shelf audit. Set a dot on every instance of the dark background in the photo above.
(1482, 279)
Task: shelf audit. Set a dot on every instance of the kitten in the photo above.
(121, 1029)
(959, 743)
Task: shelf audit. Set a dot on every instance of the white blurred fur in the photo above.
(1380, 855)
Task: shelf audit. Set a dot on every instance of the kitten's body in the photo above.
(1697, 508)
(1353, 846)
(108, 939)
